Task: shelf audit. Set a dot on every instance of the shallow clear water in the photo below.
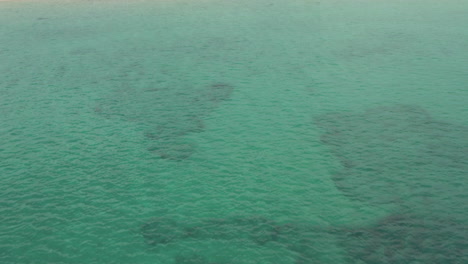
(233, 132)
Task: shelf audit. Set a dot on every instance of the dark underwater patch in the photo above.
(408, 239)
(400, 154)
(401, 238)
(159, 231)
(176, 151)
(388, 154)
(257, 229)
(396, 153)
(191, 259)
(168, 113)
(304, 239)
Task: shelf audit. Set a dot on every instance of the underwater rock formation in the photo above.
(173, 149)
(309, 243)
(397, 153)
(407, 239)
(161, 231)
(191, 259)
(218, 92)
(313, 244)
(257, 229)
(401, 238)
(167, 113)
(388, 154)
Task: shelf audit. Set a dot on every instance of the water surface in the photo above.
(233, 132)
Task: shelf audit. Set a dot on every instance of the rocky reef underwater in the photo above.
(168, 113)
(394, 155)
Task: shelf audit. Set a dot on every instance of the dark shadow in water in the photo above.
(192, 259)
(161, 231)
(257, 229)
(396, 239)
(168, 113)
(306, 240)
(406, 239)
(399, 154)
(392, 153)
(388, 154)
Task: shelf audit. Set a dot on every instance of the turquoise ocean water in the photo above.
(203, 132)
